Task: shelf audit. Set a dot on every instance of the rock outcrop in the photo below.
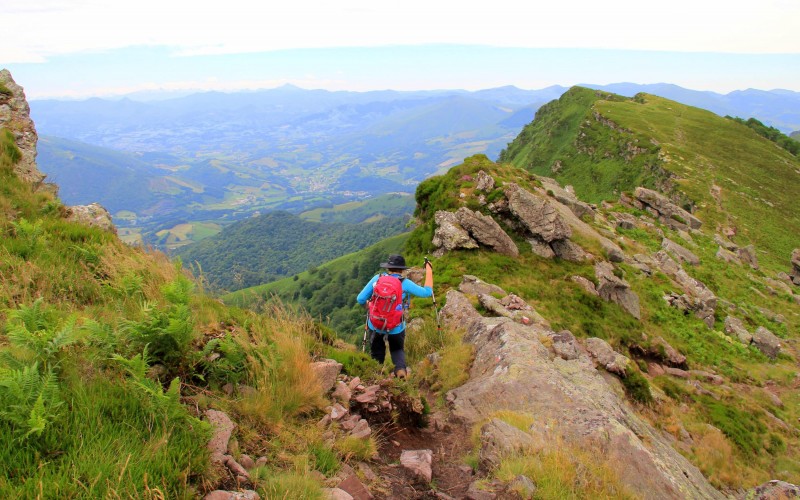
(513, 370)
(537, 214)
(680, 252)
(94, 215)
(615, 289)
(664, 210)
(795, 274)
(566, 197)
(697, 297)
(467, 229)
(15, 117)
(767, 342)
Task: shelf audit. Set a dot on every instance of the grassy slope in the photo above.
(744, 430)
(104, 368)
(642, 141)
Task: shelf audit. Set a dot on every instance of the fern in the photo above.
(42, 345)
(29, 400)
(166, 402)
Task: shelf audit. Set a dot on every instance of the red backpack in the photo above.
(386, 306)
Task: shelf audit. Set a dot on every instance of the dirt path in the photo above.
(449, 443)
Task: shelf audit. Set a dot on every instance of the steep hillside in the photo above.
(604, 145)
(119, 379)
(664, 295)
(279, 244)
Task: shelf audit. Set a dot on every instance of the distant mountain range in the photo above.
(217, 157)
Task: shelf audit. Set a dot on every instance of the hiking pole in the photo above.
(366, 330)
(435, 308)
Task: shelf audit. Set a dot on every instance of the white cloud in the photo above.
(36, 29)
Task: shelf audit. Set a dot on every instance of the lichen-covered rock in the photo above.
(326, 372)
(15, 117)
(486, 231)
(94, 215)
(514, 371)
(568, 250)
(566, 197)
(457, 311)
(449, 235)
(614, 289)
(726, 255)
(606, 356)
(668, 212)
(472, 285)
(795, 274)
(748, 256)
(680, 252)
(772, 490)
(734, 327)
(767, 342)
(537, 214)
(499, 439)
(584, 283)
(222, 427)
(699, 298)
(418, 462)
(484, 181)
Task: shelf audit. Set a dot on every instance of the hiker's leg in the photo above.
(396, 344)
(377, 349)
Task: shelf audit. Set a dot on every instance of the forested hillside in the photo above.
(327, 292)
(279, 244)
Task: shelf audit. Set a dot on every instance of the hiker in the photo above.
(386, 316)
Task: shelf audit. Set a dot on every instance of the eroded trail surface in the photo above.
(449, 444)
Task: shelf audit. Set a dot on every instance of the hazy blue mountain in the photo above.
(218, 157)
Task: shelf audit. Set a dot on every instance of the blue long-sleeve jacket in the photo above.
(409, 287)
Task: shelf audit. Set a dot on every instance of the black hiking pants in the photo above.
(397, 341)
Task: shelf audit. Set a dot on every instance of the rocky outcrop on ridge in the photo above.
(15, 117)
(467, 229)
(697, 297)
(514, 370)
(660, 207)
(94, 215)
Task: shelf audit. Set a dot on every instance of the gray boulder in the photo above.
(568, 250)
(748, 255)
(566, 197)
(734, 327)
(537, 214)
(326, 372)
(486, 231)
(499, 439)
(727, 256)
(680, 252)
(457, 311)
(93, 215)
(484, 181)
(668, 212)
(767, 342)
(449, 235)
(698, 298)
(795, 274)
(772, 490)
(614, 289)
(606, 356)
(472, 285)
(514, 371)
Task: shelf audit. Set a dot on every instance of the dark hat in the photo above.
(395, 262)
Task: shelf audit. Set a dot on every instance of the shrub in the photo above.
(637, 387)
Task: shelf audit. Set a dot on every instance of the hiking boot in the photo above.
(401, 373)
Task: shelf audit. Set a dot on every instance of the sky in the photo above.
(84, 48)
